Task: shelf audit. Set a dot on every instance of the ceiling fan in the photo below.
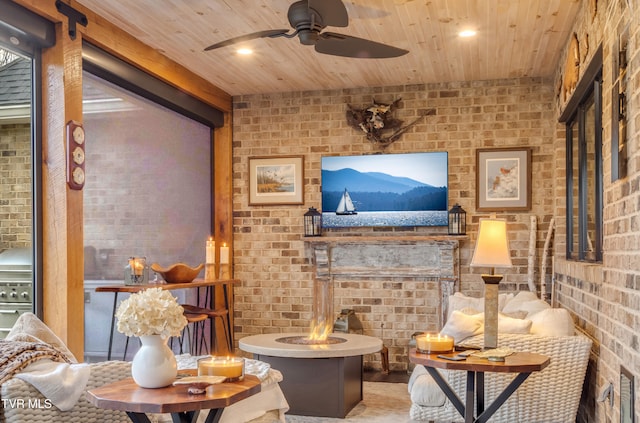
(308, 18)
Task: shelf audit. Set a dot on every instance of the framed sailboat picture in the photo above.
(276, 180)
(385, 190)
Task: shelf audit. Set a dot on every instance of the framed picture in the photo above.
(276, 180)
(503, 179)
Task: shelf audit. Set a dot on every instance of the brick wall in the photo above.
(604, 298)
(269, 257)
(15, 186)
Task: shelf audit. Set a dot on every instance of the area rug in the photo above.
(382, 403)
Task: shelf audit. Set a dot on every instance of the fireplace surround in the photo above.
(398, 285)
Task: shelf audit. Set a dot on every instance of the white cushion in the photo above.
(460, 325)
(533, 307)
(508, 324)
(28, 328)
(516, 303)
(424, 390)
(552, 322)
(459, 301)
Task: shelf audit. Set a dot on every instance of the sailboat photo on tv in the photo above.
(385, 190)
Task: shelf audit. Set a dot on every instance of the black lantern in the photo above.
(312, 222)
(457, 220)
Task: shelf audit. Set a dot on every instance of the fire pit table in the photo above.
(321, 378)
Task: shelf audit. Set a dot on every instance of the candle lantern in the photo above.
(457, 220)
(312, 222)
(136, 272)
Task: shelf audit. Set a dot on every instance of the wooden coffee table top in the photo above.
(125, 395)
(518, 362)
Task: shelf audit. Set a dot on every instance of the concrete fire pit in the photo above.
(320, 379)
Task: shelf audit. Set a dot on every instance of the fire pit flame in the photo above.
(318, 335)
(319, 331)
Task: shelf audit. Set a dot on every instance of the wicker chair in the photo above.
(552, 395)
(31, 406)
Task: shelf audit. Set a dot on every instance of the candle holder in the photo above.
(232, 368)
(225, 271)
(136, 272)
(431, 342)
(210, 272)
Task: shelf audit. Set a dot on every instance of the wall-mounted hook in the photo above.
(606, 392)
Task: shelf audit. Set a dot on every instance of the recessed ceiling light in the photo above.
(244, 51)
(467, 33)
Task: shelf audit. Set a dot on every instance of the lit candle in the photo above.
(434, 343)
(230, 367)
(138, 266)
(211, 251)
(224, 254)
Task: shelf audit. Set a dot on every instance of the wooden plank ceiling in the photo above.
(515, 38)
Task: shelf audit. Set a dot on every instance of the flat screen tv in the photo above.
(385, 190)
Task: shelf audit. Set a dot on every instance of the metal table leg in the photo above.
(113, 321)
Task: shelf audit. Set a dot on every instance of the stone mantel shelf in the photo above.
(398, 239)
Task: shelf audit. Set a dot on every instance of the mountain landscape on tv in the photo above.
(376, 191)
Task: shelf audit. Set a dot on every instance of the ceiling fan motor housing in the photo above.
(306, 21)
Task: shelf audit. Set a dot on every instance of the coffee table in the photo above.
(522, 364)
(125, 395)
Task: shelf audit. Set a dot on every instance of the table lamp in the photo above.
(492, 250)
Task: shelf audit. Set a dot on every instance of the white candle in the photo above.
(211, 251)
(224, 254)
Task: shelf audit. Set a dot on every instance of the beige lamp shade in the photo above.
(492, 247)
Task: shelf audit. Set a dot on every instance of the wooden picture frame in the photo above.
(503, 179)
(276, 180)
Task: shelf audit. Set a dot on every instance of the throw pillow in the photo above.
(460, 326)
(508, 324)
(552, 322)
(533, 307)
(28, 328)
(424, 390)
(517, 301)
(459, 301)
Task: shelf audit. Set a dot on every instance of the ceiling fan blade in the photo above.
(271, 33)
(348, 46)
(333, 12)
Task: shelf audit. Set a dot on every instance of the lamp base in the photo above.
(491, 310)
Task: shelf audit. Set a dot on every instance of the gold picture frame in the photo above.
(503, 179)
(276, 180)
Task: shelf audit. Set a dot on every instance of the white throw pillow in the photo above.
(516, 303)
(508, 324)
(459, 301)
(424, 390)
(552, 322)
(533, 307)
(460, 325)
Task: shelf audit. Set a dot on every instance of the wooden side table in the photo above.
(522, 364)
(126, 395)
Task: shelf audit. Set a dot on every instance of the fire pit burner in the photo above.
(303, 340)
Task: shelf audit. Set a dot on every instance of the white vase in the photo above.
(154, 365)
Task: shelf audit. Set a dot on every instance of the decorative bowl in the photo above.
(177, 273)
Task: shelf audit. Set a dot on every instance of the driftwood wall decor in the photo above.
(377, 123)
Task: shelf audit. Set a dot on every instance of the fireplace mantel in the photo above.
(402, 259)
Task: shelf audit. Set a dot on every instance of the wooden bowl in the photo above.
(177, 273)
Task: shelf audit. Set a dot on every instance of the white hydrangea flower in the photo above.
(153, 311)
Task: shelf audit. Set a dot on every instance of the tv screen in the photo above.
(385, 190)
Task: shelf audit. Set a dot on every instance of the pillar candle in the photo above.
(211, 251)
(224, 254)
